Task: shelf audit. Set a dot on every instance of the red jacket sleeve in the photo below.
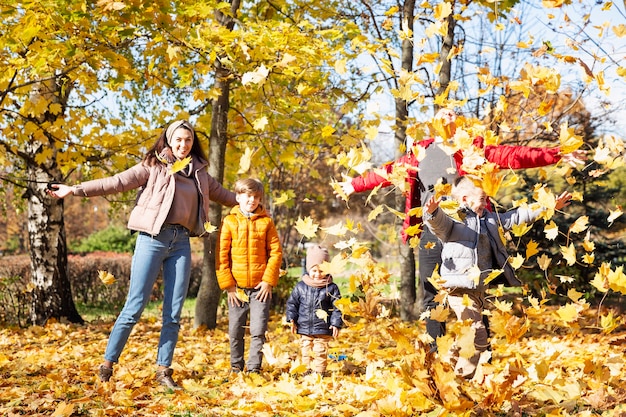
(513, 157)
(518, 157)
(370, 179)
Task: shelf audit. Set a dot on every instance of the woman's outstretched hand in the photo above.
(59, 190)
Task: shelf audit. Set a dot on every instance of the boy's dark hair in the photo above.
(249, 186)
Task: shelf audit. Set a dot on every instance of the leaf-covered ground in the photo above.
(551, 370)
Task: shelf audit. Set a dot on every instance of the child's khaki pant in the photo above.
(315, 351)
(466, 367)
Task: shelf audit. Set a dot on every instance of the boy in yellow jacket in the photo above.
(248, 266)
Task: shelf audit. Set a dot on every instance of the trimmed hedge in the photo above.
(83, 275)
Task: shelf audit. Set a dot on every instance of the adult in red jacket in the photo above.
(435, 166)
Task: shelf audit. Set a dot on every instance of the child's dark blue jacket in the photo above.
(303, 303)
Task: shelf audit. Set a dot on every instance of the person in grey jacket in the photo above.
(472, 249)
(312, 312)
(172, 204)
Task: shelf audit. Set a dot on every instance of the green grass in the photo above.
(110, 312)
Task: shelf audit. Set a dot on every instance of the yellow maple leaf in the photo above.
(375, 212)
(492, 275)
(544, 261)
(241, 295)
(569, 254)
(551, 230)
(588, 258)
(574, 295)
(503, 306)
(106, 277)
(338, 229)
(614, 214)
(284, 197)
(336, 266)
(430, 245)
(580, 224)
(321, 314)
(568, 139)
(568, 313)
(531, 249)
(338, 190)
(465, 342)
(617, 279)
(474, 274)
(588, 245)
(180, 165)
(608, 323)
(245, 161)
(209, 228)
(306, 227)
(517, 261)
(439, 313)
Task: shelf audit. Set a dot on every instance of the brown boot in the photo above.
(164, 377)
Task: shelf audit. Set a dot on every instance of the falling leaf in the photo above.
(209, 228)
(106, 277)
(569, 141)
(306, 227)
(375, 212)
(241, 295)
(517, 261)
(321, 314)
(614, 214)
(544, 261)
(565, 279)
(568, 313)
(551, 230)
(439, 313)
(336, 266)
(531, 249)
(245, 161)
(588, 258)
(608, 322)
(580, 224)
(284, 197)
(180, 165)
(492, 275)
(569, 254)
(574, 295)
(338, 229)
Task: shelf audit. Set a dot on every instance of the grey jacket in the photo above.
(156, 194)
(460, 242)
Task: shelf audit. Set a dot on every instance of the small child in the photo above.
(248, 266)
(312, 313)
(474, 242)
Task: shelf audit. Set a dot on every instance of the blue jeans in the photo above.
(170, 249)
(259, 313)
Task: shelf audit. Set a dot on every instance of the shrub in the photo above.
(112, 239)
(87, 289)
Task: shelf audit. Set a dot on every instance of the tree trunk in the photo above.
(52, 293)
(408, 289)
(209, 291)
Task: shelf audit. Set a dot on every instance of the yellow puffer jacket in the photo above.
(249, 250)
